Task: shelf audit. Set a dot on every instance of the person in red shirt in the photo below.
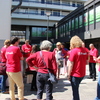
(3, 60)
(98, 84)
(60, 55)
(83, 45)
(33, 70)
(26, 50)
(13, 56)
(43, 75)
(92, 64)
(77, 65)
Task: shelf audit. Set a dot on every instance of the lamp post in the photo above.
(48, 14)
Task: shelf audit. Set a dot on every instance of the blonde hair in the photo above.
(58, 43)
(7, 42)
(26, 41)
(75, 42)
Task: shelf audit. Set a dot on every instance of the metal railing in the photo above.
(37, 14)
(51, 3)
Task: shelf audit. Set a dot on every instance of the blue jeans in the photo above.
(98, 88)
(75, 81)
(42, 82)
(3, 83)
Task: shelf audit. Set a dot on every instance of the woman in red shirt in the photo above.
(3, 60)
(33, 70)
(77, 65)
(42, 75)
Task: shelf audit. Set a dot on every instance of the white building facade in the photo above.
(30, 21)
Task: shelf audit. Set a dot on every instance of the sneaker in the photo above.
(94, 79)
(90, 77)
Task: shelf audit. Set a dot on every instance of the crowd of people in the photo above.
(60, 61)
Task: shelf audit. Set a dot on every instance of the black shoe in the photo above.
(94, 79)
(90, 77)
(34, 89)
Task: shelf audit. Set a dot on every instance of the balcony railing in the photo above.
(51, 3)
(37, 14)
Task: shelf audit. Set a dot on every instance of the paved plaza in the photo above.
(62, 90)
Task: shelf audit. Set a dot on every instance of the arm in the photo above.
(22, 48)
(20, 54)
(30, 59)
(70, 67)
(22, 58)
(54, 64)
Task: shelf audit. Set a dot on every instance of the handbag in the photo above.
(2, 68)
(52, 78)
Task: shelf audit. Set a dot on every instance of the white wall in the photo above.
(5, 20)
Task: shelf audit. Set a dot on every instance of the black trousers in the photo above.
(33, 84)
(42, 82)
(92, 69)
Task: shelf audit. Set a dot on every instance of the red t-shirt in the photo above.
(27, 50)
(93, 53)
(3, 51)
(49, 59)
(0, 57)
(79, 57)
(13, 56)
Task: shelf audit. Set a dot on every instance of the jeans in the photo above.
(3, 83)
(16, 78)
(75, 81)
(42, 81)
(98, 88)
(92, 69)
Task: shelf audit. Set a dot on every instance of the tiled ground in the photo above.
(62, 90)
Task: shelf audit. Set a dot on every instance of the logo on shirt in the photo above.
(81, 53)
(9, 53)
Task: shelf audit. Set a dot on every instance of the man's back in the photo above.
(13, 56)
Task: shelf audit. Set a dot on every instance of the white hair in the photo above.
(45, 45)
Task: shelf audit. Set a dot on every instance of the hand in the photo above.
(36, 68)
(69, 77)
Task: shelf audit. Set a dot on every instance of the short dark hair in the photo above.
(14, 40)
(63, 43)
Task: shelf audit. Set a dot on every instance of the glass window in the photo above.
(64, 30)
(67, 29)
(64, 13)
(19, 34)
(56, 1)
(80, 21)
(49, 1)
(76, 23)
(91, 16)
(69, 25)
(85, 19)
(41, 32)
(98, 14)
(35, 11)
(65, 2)
(72, 24)
(56, 13)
